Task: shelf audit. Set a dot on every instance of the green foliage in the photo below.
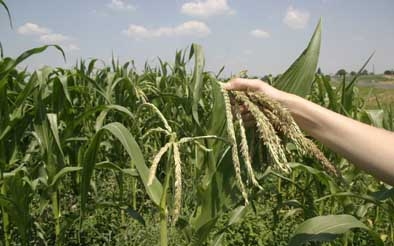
(327, 228)
(2, 3)
(293, 80)
(389, 72)
(341, 72)
(76, 146)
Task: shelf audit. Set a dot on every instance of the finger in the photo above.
(241, 84)
(243, 109)
(248, 117)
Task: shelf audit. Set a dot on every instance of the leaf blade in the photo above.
(299, 76)
(327, 228)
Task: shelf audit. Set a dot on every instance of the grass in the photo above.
(371, 95)
(373, 78)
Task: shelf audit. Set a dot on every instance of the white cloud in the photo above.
(189, 28)
(46, 36)
(120, 5)
(206, 8)
(54, 38)
(196, 28)
(296, 18)
(258, 33)
(32, 29)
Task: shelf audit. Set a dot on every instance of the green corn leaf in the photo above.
(332, 96)
(348, 92)
(383, 194)
(17, 201)
(202, 233)
(360, 71)
(134, 151)
(299, 76)
(366, 198)
(52, 119)
(218, 241)
(328, 228)
(127, 140)
(322, 176)
(374, 117)
(237, 214)
(85, 115)
(91, 66)
(135, 215)
(7, 10)
(26, 55)
(62, 80)
(37, 50)
(7, 203)
(109, 165)
(1, 51)
(197, 83)
(63, 172)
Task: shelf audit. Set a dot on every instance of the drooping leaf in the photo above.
(63, 172)
(328, 228)
(7, 10)
(26, 55)
(364, 197)
(103, 108)
(130, 145)
(299, 76)
(383, 194)
(109, 165)
(322, 176)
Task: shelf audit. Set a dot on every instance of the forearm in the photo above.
(370, 148)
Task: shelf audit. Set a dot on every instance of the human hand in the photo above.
(240, 84)
(256, 85)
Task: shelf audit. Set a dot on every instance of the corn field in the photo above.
(109, 155)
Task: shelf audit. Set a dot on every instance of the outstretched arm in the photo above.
(369, 148)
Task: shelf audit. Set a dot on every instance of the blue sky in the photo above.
(262, 36)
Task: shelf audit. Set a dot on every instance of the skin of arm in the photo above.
(368, 147)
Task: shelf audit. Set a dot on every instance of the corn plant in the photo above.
(112, 156)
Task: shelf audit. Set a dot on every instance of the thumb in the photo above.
(228, 86)
(241, 84)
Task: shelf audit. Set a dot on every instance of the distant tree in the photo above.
(389, 72)
(341, 72)
(319, 71)
(353, 73)
(364, 72)
(267, 78)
